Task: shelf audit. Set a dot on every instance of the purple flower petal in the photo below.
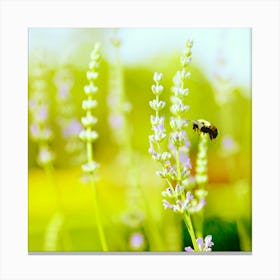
(42, 114)
(63, 90)
(228, 143)
(189, 249)
(116, 121)
(208, 241)
(200, 243)
(34, 130)
(189, 196)
(185, 160)
(152, 149)
(72, 129)
(136, 240)
(166, 204)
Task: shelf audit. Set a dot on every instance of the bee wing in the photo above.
(193, 121)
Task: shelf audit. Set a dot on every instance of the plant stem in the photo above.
(150, 227)
(188, 222)
(202, 155)
(64, 231)
(95, 202)
(178, 165)
(97, 215)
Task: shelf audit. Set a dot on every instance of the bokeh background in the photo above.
(60, 206)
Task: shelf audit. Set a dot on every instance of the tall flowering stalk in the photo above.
(40, 129)
(89, 135)
(119, 109)
(201, 179)
(42, 134)
(69, 125)
(174, 160)
(137, 211)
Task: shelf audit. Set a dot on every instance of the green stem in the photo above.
(64, 231)
(97, 215)
(188, 222)
(95, 202)
(178, 165)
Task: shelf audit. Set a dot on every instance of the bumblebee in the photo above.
(203, 126)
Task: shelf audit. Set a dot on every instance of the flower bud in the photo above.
(89, 104)
(90, 167)
(90, 89)
(157, 105)
(88, 136)
(92, 75)
(157, 77)
(89, 121)
(157, 89)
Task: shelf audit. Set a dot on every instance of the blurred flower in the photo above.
(63, 90)
(69, 125)
(137, 241)
(34, 130)
(72, 129)
(201, 161)
(119, 120)
(134, 217)
(116, 121)
(45, 156)
(229, 146)
(40, 114)
(39, 128)
(222, 79)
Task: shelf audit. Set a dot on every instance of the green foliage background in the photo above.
(228, 209)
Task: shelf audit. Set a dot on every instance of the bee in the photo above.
(203, 126)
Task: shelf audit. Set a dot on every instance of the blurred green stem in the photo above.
(151, 228)
(66, 240)
(95, 202)
(97, 215)
(202, 155)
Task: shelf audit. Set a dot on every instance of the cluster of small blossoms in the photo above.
(201, 176)
(88, 134)
(201, 161)
(159, 135)
(203, 245)
(70, 126)
(184, 202)
(40, 130)
(175, 162)
(119, 108)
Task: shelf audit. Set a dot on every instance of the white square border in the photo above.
(18, 16)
